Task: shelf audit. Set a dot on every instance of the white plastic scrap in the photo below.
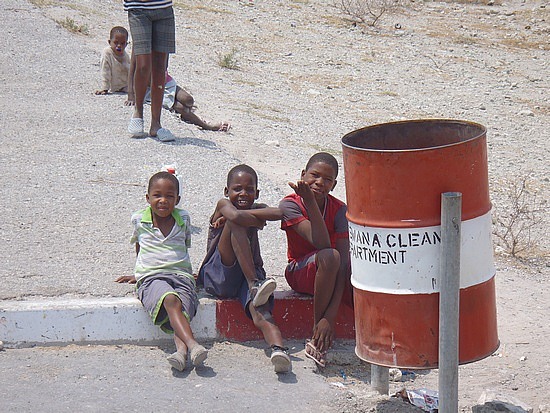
(427, 400)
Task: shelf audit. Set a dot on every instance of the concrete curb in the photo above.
(97, 320)
(122, 320)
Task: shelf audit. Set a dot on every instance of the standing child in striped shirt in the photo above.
(153, 30)
(165, 284)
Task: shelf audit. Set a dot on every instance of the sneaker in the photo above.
(261, 291)
(280, 359)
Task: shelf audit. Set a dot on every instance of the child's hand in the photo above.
(323, 335)
(101, 92)
(130, 279)
(220, 222)
(302, 189)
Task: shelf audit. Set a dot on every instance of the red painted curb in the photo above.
(293, 313)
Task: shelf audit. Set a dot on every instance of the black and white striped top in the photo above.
(146, 4)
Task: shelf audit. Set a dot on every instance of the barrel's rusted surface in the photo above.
(395, 175)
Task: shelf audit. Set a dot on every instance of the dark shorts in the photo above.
(154, 289)
(229, 282)
(152, 30)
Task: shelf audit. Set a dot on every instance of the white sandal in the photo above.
(135, 128)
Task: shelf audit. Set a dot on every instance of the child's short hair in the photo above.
(324, 158)
(241, 168)
(164, 175)
(118, 29)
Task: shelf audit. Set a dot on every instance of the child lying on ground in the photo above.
(175, 99)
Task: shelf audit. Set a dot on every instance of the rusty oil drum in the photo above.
(395, 175)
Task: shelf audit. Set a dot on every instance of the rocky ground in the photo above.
(304, 75)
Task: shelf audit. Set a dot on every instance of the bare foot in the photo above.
(222, 127)
(218, 127)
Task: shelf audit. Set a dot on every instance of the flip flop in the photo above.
(164, 135)
(135, 128)
(317, 356)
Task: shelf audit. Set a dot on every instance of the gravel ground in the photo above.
(71, 176)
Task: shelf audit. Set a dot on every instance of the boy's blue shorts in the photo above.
(229, 282)
(152, 30)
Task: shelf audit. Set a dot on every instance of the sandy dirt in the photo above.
(306, 76)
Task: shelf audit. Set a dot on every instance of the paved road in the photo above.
(128, 378)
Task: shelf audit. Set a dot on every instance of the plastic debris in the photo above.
(343, 374)
(395, 374)
(427, 400)
(401, 375)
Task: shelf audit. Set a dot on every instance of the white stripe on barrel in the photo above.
(409, 257)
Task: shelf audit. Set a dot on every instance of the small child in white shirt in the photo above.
(115, 63)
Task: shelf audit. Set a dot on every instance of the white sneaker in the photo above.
(262, 290)
(280, 359)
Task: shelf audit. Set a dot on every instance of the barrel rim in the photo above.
(483, 131)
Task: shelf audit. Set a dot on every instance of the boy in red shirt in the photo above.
(318, 248)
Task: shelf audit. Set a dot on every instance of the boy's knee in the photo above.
(158, 62)
(171, 300)
(188, 101)
(328, 258)
(236, 228)
(143, 69)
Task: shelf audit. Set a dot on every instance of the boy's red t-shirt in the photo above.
(294, 212)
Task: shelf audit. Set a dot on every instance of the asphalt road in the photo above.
(236, 377)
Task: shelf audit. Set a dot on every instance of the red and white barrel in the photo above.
(395, 175)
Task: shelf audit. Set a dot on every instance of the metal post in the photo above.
(451, 206)
(380, 378)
